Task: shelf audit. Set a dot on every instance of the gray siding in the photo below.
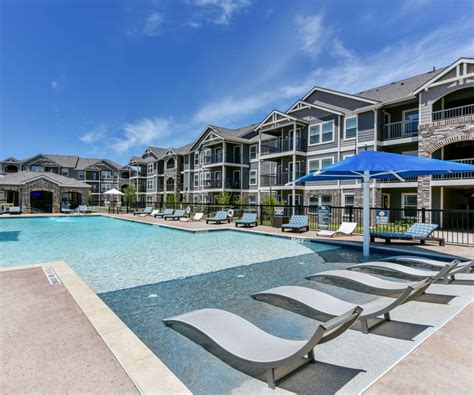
(336, 100)
(366, 126)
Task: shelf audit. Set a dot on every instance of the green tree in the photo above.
(170, 200)
(223, 198)
(268, 202)
(241, 202)
(129, 195)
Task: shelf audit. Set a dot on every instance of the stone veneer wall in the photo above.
(434, 136)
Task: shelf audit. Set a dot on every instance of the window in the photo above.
(170, 185)
(82, 175)
(344, 157)
(65, 172)
(253, 177)
(196, 159)
(149, 168)
(318, 164)
(409, 205)
(252, 200)
(326, 200)
(321, 133)
(36, 168)
(350, 128)
(170, 164)
(348, 201)
(106, 175)
(253, 151)
(105, 187)
(196, 180)
(149, 185)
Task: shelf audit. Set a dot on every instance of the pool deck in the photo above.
(75, 343)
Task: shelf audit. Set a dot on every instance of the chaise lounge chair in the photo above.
(396, 269)
(462, 267)
(14, 210)
(197, 217)
(248, 219)
(418, 231)
(241, 341)
(168, 211)
(297, 222)
(176, 216)
(347, 228)
(363, 282)
(66, 209)
(83, 209)
(146, 211)
(322, 304)
(219, 217)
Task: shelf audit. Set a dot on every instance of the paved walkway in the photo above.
(443, 364)
(47, 345)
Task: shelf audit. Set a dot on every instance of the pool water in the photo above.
(111, 254)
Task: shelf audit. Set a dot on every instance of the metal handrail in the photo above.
(454, 112)
(400, 130)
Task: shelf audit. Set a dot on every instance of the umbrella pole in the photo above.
(366, 215)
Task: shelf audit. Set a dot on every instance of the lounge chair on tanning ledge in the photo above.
(394, 269)
(168, 211)
(219, 217)
(176, 216)
(418, 231)
(247, 344)
(346, 229)
(365, 282)
(248, 219)
(328, 306)
(462, 267)
(297, 222)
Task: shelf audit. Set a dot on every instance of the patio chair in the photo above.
(297, 223)
(66, 209)
(14, 210)
(248, 219)
(418, 231)
(219, 217)
(176, 216)
(168, 211)
(363, 282)
(396, 269)
(462, 267)
(347, 228)
(146, 211)
(154, 213)
(247, 345)
(83, 209)
(323, 305)
(196, 218)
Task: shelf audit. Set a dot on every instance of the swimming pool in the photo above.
(111, 254)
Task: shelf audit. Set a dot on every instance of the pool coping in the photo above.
(149, 374)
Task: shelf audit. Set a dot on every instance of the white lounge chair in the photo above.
(14, 210)
(347, 228)
(196, 218)
(241, 341)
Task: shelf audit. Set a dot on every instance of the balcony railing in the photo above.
(457, 176)
(278, 179)
(214, 158)
(453, 112)
(212, 184)
(232, 158)
(277, 146)
(233, 183)
(400, 130)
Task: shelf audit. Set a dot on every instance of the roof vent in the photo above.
(402, 83)
(434, 69)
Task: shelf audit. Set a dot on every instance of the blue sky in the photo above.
(108, 78)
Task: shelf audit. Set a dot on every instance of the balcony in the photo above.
(211, 159)
(233, 158)
(457, 176)
(276, 146)
(278, 179)
(454, 112)
(400, 130)
(212, 184)
(233, 183)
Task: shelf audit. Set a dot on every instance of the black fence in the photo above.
(455, 226)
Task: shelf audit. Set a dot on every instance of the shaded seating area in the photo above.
(219, 217)
(247, 220)
(176, 216)
(417, 232)
(297, 223)
(168, 211)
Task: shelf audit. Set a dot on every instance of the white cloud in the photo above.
(55, 84)
(96, 134)
(222, 10)
(153, 24)
(146, 131)
(313, 33)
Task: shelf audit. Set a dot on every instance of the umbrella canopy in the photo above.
(114, 192)
(369, 165)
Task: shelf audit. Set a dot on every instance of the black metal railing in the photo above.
(457, 176)
(276, 146)
(233, 158)
(278, 179)
(400, 130)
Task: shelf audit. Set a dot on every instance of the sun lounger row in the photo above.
(245, 343)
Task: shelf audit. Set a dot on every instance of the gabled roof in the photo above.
(158, 151)
(443, 72)
(301, 105)
(278, 116)
(337, 93)
(184, 149)
(399, 89)
(11, 159)
(24, 177)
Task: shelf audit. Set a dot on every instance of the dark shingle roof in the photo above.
(399, 89)
(158, 151)
(23, 177)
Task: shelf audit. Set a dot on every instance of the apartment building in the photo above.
(429, 115)
(101, 174)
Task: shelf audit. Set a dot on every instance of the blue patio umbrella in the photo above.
(369, 165)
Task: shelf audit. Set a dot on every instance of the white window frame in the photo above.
(81, 175)
(344, 157)
(253, 146)
(252, 200)
(149, 168)
(196, 180)
(196, 158)
(356, 127)
(403, 203)
(149, 184)
(319, 160)
(233, 175)
(416, 109)
(253, 174)
(65, 171)
(320, 124)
